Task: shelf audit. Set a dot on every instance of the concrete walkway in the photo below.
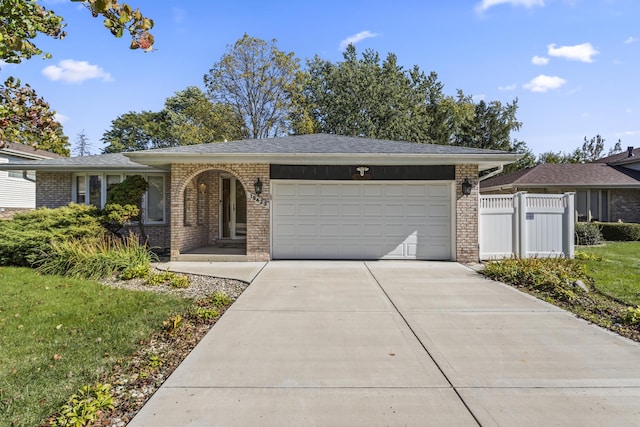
(397, 343)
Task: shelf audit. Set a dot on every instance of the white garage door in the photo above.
(361, 220)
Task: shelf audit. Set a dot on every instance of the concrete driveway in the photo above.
(319, 343)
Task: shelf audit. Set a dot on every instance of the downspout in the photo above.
(490, 174)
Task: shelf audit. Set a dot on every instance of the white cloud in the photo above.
(508, 88)
(628, 111)
(544, 83)
(479, 97)
(61, 118)
(486, 4)
(630, 40)
(539, 60)
(356, 38)
(71, 71)
(581, 52)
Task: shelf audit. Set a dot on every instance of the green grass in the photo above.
(618, 273)
(58, 334)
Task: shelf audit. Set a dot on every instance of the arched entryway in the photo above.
(214, 216)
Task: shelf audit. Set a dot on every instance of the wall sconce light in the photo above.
(203, 188)
(466, 187)
(258, 186)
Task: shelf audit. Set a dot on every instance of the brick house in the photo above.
(297, 197)
(606, 190)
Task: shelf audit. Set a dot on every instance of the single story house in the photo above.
(606, 190)
(297, 197)
(17, 187)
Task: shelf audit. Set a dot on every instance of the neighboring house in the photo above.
(17, 187)
(297, 197)
(606, 190)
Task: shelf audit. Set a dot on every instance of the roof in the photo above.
(100, 162)
(301, 149)
(622, 157)
(322, 149)
(27, 151)
(565, 175)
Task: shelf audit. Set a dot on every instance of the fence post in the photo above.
(569, 224)
(522, 224)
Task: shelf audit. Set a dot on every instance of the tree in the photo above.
(193, 119)
(187, 118)
(26, 118)
(256, 79)
(22, 20)
(136, 131)
(124, 204)
(487, 125)
(372, 98)
(590, 151)
(82, 144)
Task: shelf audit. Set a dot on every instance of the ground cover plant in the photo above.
(569, 284)
(60, 334)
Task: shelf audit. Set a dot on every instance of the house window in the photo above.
(96, 186)
(81, 189)
(95, 190)
(15, 174)
(592, 205)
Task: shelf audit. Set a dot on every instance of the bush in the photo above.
(95, 258)
(620, 232)
(25, 238)
(588, 233)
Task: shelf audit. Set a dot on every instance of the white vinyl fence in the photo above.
(526, 225)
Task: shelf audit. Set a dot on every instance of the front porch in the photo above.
(213, 217)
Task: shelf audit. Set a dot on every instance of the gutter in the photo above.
(492, 173)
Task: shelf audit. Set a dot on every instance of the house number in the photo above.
(260, 200)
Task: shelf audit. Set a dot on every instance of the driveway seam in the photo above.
(422, 345)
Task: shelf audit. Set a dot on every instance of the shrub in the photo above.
(206, 313)
(84, 406)
(620, 232)
(135, 271)
(632, 315)
(95, 258)
(588, 233)
(220, 299)
(25, 238)
(172, 279)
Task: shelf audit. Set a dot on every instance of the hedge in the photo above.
(619, 231)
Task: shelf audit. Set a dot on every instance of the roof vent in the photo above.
(630, 152)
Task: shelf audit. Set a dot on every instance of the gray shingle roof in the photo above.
(567, 175)
(321, 144)
(98, 162)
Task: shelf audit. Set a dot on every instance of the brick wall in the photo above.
(625, 205)
(53, 189)
(8, 213)
(467, 215)
(189, 176)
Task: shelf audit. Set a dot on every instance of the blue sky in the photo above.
(572, 64)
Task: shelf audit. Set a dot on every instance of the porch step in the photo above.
(211, 258)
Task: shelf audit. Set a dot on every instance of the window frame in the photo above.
(590, 215)
(123, 176)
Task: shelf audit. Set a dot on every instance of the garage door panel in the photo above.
(361, 220)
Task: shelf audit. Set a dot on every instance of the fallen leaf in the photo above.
(59, 326)
(392, 354)
(57, 357)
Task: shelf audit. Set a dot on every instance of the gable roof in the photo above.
(322, 149)
(565, 175)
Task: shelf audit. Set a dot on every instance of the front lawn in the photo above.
(617, 274)
(58, 334)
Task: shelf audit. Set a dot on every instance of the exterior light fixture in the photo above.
(203, 188)
(466, 187)
(258, 186)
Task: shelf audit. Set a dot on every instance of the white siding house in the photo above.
(18, 188)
